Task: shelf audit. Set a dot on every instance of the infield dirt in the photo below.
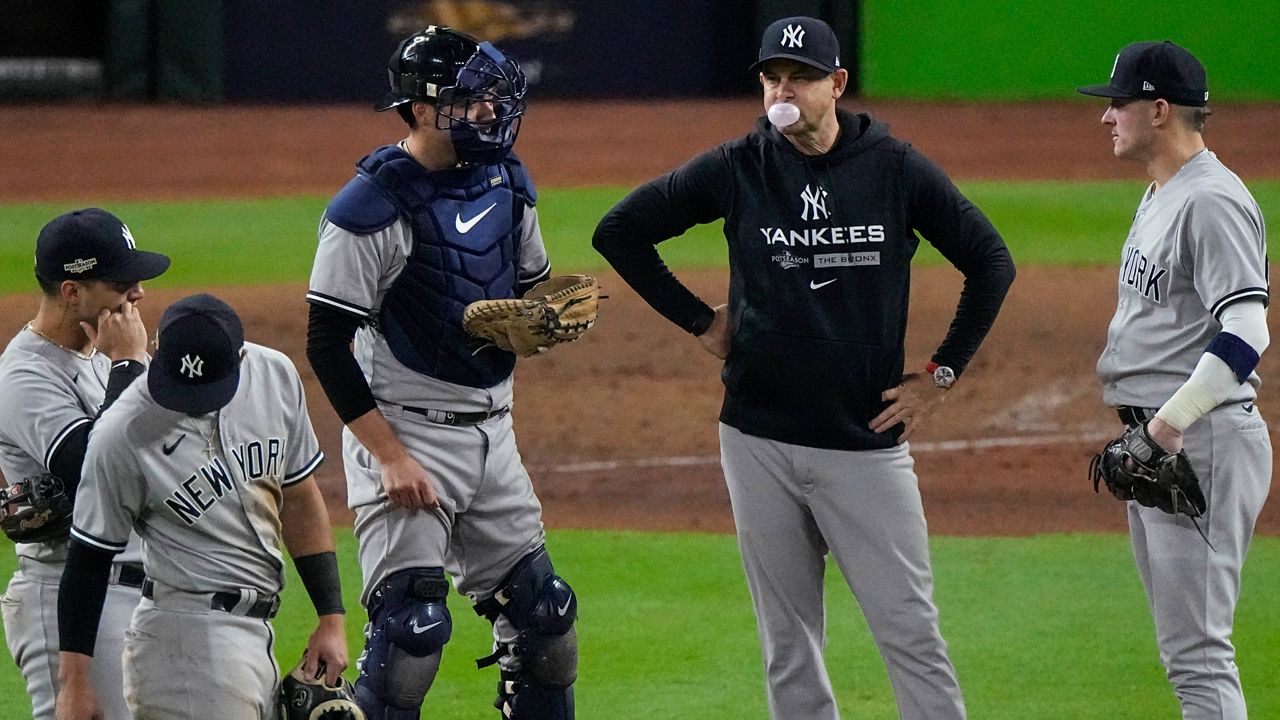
(619, 429)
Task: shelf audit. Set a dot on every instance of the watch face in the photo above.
(944, 377)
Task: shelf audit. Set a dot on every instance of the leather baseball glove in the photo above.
(1134, 467)
(35, 509)
(557, 310)
(308, 698)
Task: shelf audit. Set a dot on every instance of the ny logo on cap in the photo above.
(192, 366)
(793, 36)
(128, 237)
(815, 199)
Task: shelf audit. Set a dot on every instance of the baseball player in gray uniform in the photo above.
(209, 460)
(1181, 359)
(428, 225)
(84, 346)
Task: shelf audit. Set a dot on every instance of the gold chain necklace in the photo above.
(60, 346)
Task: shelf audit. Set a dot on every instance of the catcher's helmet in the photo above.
(478, 92)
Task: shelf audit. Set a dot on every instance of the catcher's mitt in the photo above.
(1134, 467)
(308, 698)
(557, 310)
(36, 509)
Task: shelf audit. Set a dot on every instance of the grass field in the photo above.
(1047, 627)
(239, 242)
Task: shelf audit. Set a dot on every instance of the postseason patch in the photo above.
(858, 259)
(80, 265)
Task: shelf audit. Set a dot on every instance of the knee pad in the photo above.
(543, 608)
(409, 625)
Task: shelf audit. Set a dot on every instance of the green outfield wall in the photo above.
(1033, 49)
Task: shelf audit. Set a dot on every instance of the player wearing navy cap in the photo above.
(83, 348)
(1181, 359)
(210, 461)
(821, 207)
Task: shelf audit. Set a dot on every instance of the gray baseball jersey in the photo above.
(46, 392)
(353, 273)
(1196, 245)
(203, 492)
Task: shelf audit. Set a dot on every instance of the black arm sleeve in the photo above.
(698, 192)
(319, 573)
(329, 335)
(123, 373)
(967, 239)
(81, 594)
(69, 457)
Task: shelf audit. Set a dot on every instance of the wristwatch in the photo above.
(943, 376)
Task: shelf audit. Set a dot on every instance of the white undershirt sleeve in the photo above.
(1213, 381)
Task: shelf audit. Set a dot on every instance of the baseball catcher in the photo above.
(1134, 467)
(309, 698)
(557, 310)
(36, 509)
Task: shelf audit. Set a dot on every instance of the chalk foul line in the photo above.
(916, 448)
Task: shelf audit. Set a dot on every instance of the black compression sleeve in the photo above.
(123, 373)
(81, 594)
(69, 458)
(329, 335)
(319, 573)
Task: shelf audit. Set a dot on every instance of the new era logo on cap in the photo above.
(803, 39)
(1148, 87)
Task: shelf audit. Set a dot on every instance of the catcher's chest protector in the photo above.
(466, 237)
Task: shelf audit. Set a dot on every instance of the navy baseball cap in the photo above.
(1154, 70)
(93, 244)
(196, 368)
(803, 39)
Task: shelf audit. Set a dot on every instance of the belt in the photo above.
(128, 574)
(231, 601)
(445, 417)
(1134, 416)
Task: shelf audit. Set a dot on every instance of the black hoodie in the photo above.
(819, 261)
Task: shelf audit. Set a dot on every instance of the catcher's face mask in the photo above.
(482, 111)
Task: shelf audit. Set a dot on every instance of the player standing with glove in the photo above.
(440, 225)
(820, 216)
(83, 348)
(1180, 367)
